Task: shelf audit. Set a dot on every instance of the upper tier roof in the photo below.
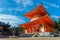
(40, 11)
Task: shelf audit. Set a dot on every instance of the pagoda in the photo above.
(40, 21)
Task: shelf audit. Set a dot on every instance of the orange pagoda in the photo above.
(39, 21)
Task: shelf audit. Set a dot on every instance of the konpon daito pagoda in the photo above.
(40, 21)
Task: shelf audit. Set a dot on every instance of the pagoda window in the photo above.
(40, 25)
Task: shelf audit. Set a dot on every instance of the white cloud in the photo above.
(45, 6)
(51, 4)
(13, 20)
(24, 2)
(18, 1)
(10, 10)
(27, 2)
(22, 5)
(19, 9)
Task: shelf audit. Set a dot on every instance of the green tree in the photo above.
(21, 29)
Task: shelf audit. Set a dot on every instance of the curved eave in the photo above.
(47, 20)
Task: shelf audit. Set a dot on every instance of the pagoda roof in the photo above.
(43, 20)
(40, 11)
(47, 20)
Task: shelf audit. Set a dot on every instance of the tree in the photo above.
(59, 24)
(21, 29)
(54, 29)
(59, 20)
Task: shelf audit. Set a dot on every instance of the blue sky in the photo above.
(13, 11)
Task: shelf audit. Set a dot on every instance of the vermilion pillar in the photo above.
(30, 30)
(38, 28)
(26, 31)
(34, 29)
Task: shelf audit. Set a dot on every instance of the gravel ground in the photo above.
(35, 38)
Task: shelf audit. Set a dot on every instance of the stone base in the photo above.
(45, 34)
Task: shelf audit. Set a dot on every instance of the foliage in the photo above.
(21, 29)
(18, 30)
